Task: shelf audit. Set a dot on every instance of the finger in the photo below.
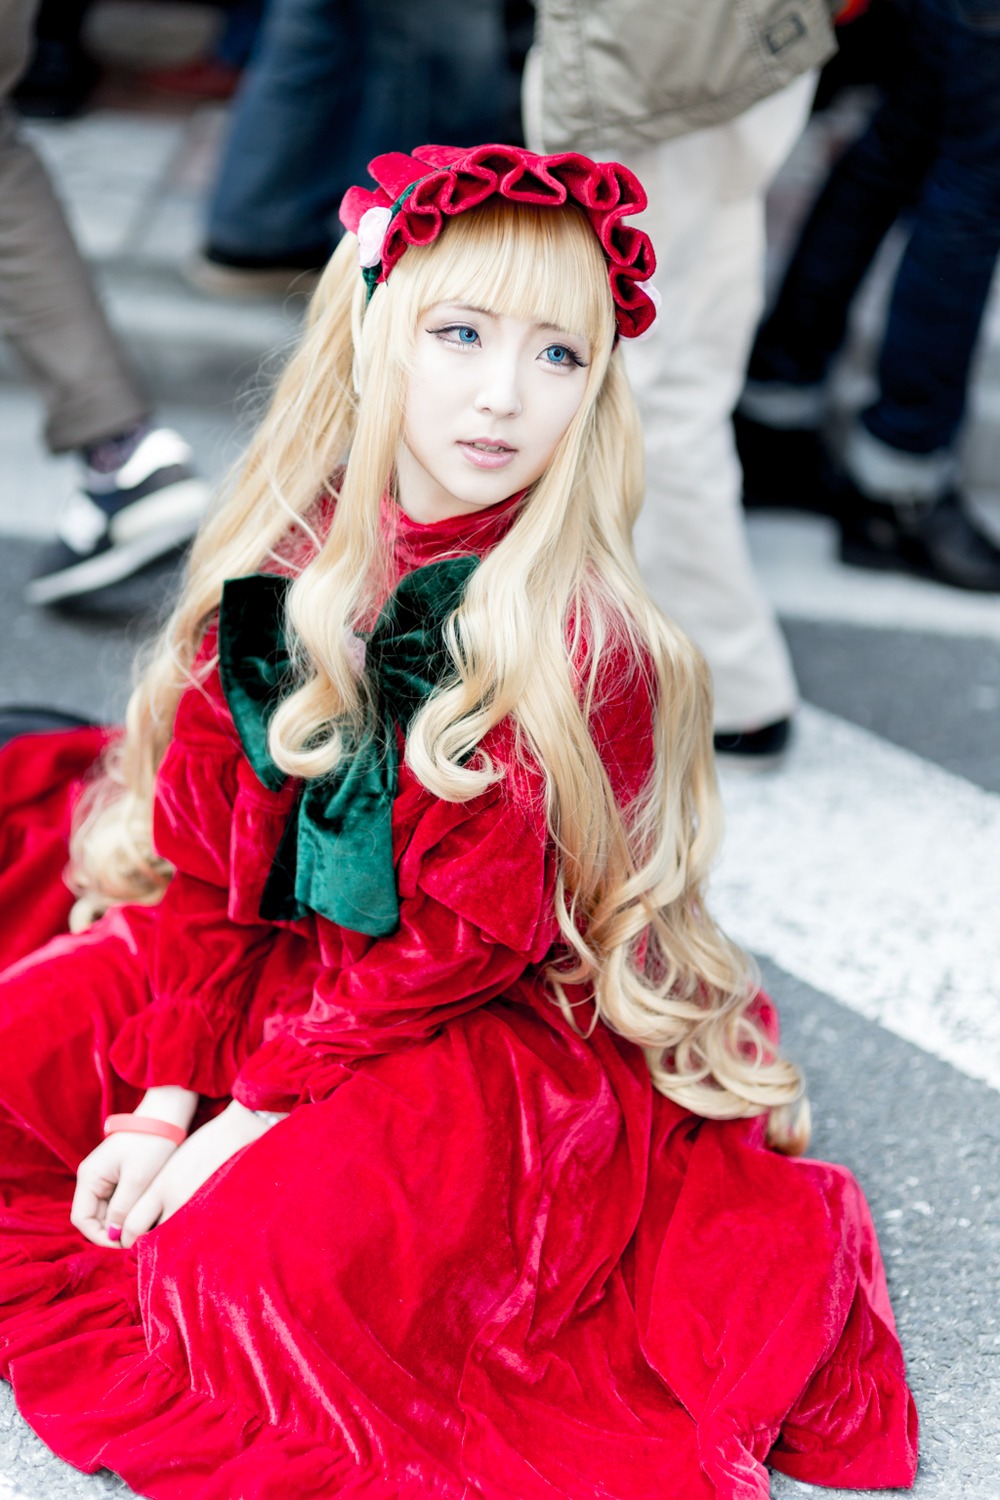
(84, 1205)
(138, 1173)
(86, 1215)
(124, 1198)
(93, 1186)
(96, 1179)
(89, 1207)
(142, 1216)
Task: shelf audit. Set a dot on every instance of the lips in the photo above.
(485, 453)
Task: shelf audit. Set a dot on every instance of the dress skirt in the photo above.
(494, 1263)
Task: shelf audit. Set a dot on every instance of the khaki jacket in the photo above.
(613, 75)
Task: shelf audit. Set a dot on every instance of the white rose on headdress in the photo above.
(371, 235)
(354, 645)
(657, 302)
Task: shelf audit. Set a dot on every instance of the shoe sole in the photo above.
(857, 555)
(180, 503)
(808, 504)
(731, 761)
(148, 528)
(113, 566)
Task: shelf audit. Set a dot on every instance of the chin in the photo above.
(478, 496)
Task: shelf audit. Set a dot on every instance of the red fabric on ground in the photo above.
(41, 776)
(481, 1257)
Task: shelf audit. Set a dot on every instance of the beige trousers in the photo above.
(48, 306)
(706, 220)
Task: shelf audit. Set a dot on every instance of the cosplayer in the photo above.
(388, 1117)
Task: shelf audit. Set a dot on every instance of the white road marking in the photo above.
(796, 562)
(875, 877)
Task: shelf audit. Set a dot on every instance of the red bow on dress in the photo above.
(415, 194)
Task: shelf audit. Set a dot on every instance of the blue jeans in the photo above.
(235, 44)
(332, 84)
(933, 148)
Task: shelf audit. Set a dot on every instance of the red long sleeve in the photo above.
(215, 969)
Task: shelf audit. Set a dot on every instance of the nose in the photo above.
(499, 384)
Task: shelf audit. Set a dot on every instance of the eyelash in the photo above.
(572, 359)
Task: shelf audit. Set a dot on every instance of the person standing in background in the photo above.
(139, 497)
(332, 84)
(704, 104)
(932, 152)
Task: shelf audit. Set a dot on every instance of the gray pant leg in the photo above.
(48, 305)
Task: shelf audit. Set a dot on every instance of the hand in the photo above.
(116, 1174)
(112, 1179)
(189, 1166)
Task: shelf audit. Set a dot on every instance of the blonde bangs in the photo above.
(497, 257)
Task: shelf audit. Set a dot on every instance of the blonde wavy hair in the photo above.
(561, 588)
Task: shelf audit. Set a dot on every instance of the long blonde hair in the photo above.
(561, 588)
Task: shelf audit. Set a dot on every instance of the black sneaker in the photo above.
(119, 522)
(754, 749)
(939, 540)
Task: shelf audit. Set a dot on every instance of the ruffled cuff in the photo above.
(855, 1424)
(185, 1042)
(284, 1073)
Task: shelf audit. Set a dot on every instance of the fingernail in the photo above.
(114, 1233)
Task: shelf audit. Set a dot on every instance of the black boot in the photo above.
(754, 749)
(782, 466)
(937, 540)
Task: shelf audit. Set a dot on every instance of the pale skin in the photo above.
(479, 381)
(131, 1182)
(490, 398)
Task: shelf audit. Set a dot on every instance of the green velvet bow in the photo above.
(335, 856)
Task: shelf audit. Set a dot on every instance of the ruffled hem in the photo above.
(73, 1343)
(88, 1384)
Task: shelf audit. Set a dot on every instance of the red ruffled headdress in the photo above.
(416, 193)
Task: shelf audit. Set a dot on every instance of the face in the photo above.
(488, 401)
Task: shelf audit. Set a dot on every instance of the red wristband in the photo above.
(144, 1125)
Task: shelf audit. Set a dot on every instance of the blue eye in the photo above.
(462, 334)
(558, 354)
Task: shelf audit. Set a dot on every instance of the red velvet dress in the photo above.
(482, 1257)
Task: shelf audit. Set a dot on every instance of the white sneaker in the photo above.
(116, 524)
